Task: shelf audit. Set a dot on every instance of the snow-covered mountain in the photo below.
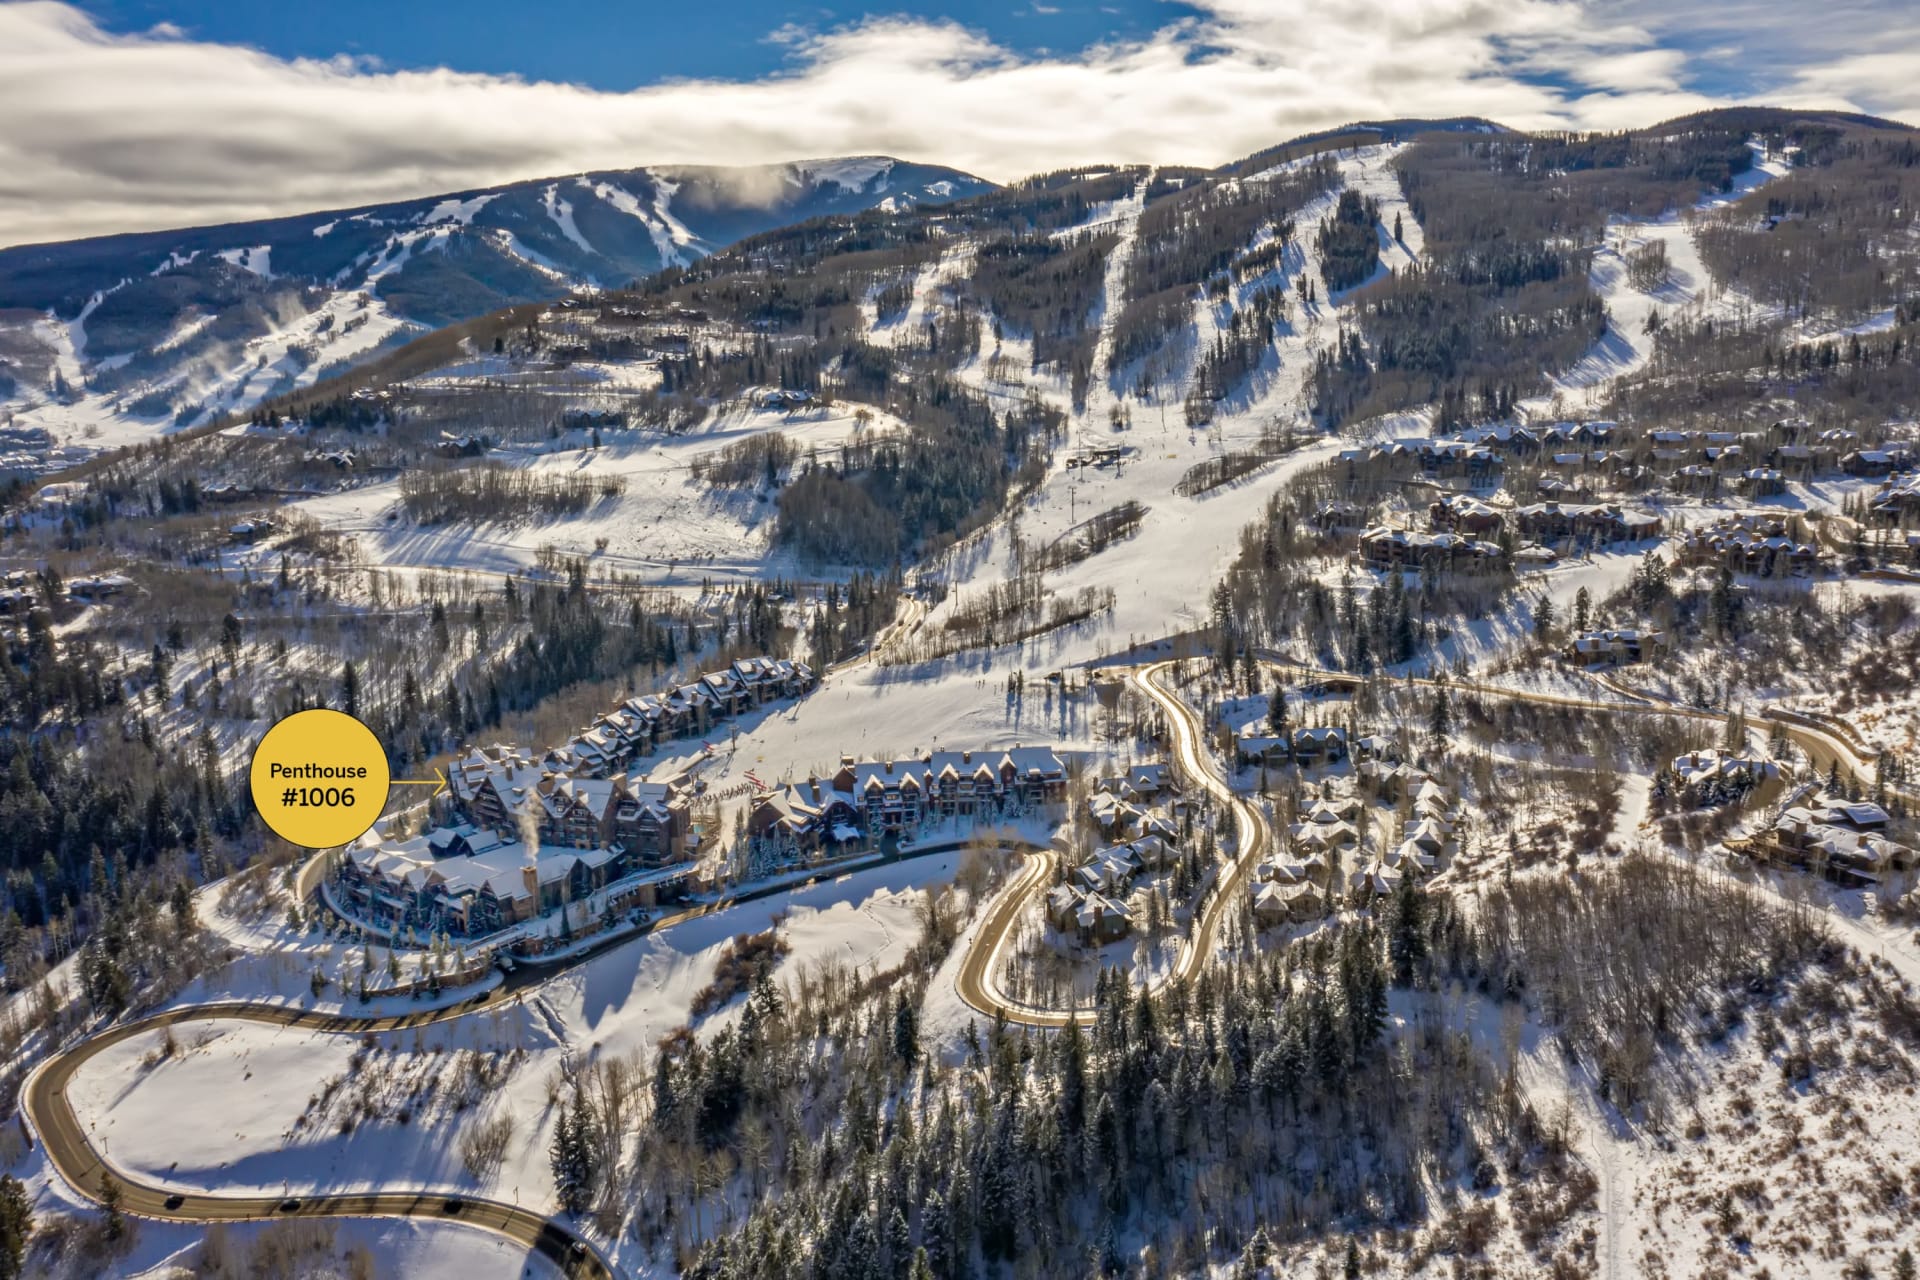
(176, 324)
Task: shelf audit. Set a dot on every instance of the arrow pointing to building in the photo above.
(438, 781)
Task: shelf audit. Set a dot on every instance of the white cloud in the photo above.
(103, 132)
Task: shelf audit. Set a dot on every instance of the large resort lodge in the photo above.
(534, 835)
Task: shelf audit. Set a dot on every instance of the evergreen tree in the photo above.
(573, 1156)
(110, 1199)
(1407, 940)
(906, 1033)
(1440, 720)
(1543, 617)
(350, 689)
(16, 1226)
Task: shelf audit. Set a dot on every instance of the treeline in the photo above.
(1834, 235)
(568, 636)
(761, 458)
(1501, 299)
(1268, 1105)
(1188, 238)
(1276, 593)
(1044, 288)
(1263, 1106)
(1087, 539)
(1716, 370)
(1211, 473)
(1005, 613)
(1237, 352)
(1199, 231)
(491, 493)
(1349, 241)
(849, 617)
(916, 494)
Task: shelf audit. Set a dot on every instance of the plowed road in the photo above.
(1194, 761)
(46, 1104)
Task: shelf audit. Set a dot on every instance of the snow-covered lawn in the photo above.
(667, 529)
(240, 1106)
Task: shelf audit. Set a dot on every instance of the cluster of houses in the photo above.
(31, 451)
(1845, 840)
(638, 725)
(1571, 455)
(1305, 747)
(1753, 542)
(1544, 523)
(1294, 886)
(1092, 903)
(1141, 800)
(1593, 524)
(866, 799)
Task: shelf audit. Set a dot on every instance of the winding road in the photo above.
(48, 1110)
(977, 981)
(45, 1103)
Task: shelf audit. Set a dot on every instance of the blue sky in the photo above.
(118, 115)
(602, 43)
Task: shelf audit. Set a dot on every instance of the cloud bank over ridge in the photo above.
(103, 132)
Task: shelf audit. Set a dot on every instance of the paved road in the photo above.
(977, 983)
(46, 1103)
(47, 1107)
(1817, 740)
(50, 1111)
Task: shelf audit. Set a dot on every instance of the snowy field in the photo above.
(668, 529)
(1688, 289)
(238, 1106)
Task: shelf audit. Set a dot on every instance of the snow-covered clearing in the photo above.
(667, 529)
(387, 1249)
(225, 1110)
(1688, 288)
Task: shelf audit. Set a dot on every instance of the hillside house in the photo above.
(1305, 746)
(1384, 550)
(1761, 482)
(1601, 524)
(1092, 917)
(1617, 647)
(1277, 904)
(1462, 514)
(1748, 552)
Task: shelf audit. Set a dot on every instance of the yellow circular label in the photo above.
(320, 778)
